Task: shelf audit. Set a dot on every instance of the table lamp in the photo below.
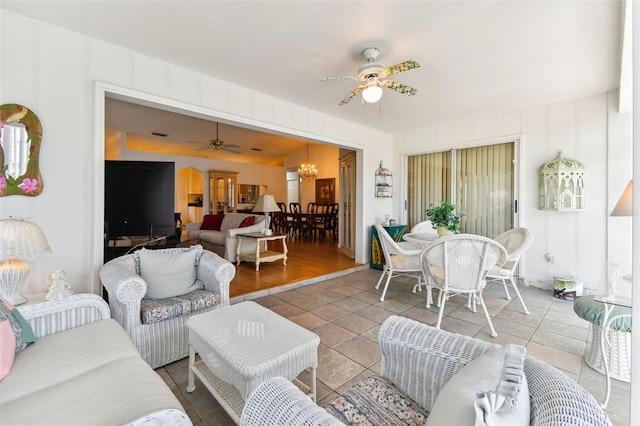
(266, 204)
(20, 241)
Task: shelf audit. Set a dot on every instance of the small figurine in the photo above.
(58, 285)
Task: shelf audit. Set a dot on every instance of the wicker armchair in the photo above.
(418, 360)
(515, 241)
(458, 265)
(401, 259)
(165, 341)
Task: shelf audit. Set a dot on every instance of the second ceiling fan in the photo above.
(372, 74)
(219, 145)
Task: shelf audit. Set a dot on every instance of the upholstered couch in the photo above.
(438, 378)
(217, 233)
(83, 369)
(155, 316)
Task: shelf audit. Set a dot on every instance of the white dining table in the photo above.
(422, 238)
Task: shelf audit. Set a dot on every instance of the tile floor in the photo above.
(346, 313)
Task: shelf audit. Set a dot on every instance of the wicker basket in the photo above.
(619, 353)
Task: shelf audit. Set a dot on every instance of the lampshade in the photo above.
(624, 207)
(265, 204)
(22, 240)
(372, 93)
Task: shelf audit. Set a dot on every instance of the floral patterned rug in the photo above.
(375, 401)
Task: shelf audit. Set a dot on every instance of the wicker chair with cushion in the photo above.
(439, 378)
(515, 241)
(152, 294)
(400, 259)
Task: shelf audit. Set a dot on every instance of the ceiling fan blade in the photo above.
(231, 145)
(351, 95)
(403, 66)
(399, 87)
(225, 148)
(337, 78)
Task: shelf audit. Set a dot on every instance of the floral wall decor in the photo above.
(20, 140)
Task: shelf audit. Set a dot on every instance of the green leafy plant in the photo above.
(445, 215)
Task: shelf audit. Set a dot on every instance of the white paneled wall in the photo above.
(579, 129)
(62, 76)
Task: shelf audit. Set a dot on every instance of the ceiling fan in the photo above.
(219, 145)
(371, 74)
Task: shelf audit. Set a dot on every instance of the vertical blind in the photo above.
(429, 182)
(484, 188)
(483, 180)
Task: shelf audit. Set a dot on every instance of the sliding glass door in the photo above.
(478, 180)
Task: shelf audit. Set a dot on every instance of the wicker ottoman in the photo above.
(243, 345)
(618, 334)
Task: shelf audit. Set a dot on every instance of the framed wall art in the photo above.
(325, 191)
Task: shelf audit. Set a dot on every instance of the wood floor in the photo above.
(305, 260)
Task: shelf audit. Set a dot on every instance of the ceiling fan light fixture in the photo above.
(372, 93)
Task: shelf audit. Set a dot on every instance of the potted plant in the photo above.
(444, 218)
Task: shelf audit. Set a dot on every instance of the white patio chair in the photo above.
(400, 259)
(515, 241)
(458, 264)
(424, 227)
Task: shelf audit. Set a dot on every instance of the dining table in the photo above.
(421, 238)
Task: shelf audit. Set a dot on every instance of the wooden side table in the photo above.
(262, 255)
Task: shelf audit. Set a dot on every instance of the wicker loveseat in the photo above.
(419, 384)
(83, 369)
(157, 326)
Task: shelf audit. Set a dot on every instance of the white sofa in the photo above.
(224, 241)
(83, 370)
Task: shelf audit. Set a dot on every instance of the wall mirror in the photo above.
(248, 194)
(20, 139)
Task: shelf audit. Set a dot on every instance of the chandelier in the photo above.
(307, 171)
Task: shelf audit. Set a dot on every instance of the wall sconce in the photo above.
(561, 185)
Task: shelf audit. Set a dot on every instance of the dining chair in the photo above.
(458, 265)
(400, 259)
(515, 241)
(280, 219)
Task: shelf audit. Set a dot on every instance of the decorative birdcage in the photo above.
(561, 185)
(384, 182)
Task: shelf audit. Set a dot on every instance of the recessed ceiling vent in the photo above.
(162, 135)
(256, 149)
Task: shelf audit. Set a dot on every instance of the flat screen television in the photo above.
(139, 198)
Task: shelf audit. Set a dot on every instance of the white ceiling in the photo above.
(477, 57)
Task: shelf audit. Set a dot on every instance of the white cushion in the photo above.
(169, 272)
(490, 390)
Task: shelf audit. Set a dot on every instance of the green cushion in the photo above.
(591, 310)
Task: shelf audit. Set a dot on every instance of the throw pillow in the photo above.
(247, 221)
(21, 328)
(490, 390)
(169, 272)
(211, 222)
(7, 346)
